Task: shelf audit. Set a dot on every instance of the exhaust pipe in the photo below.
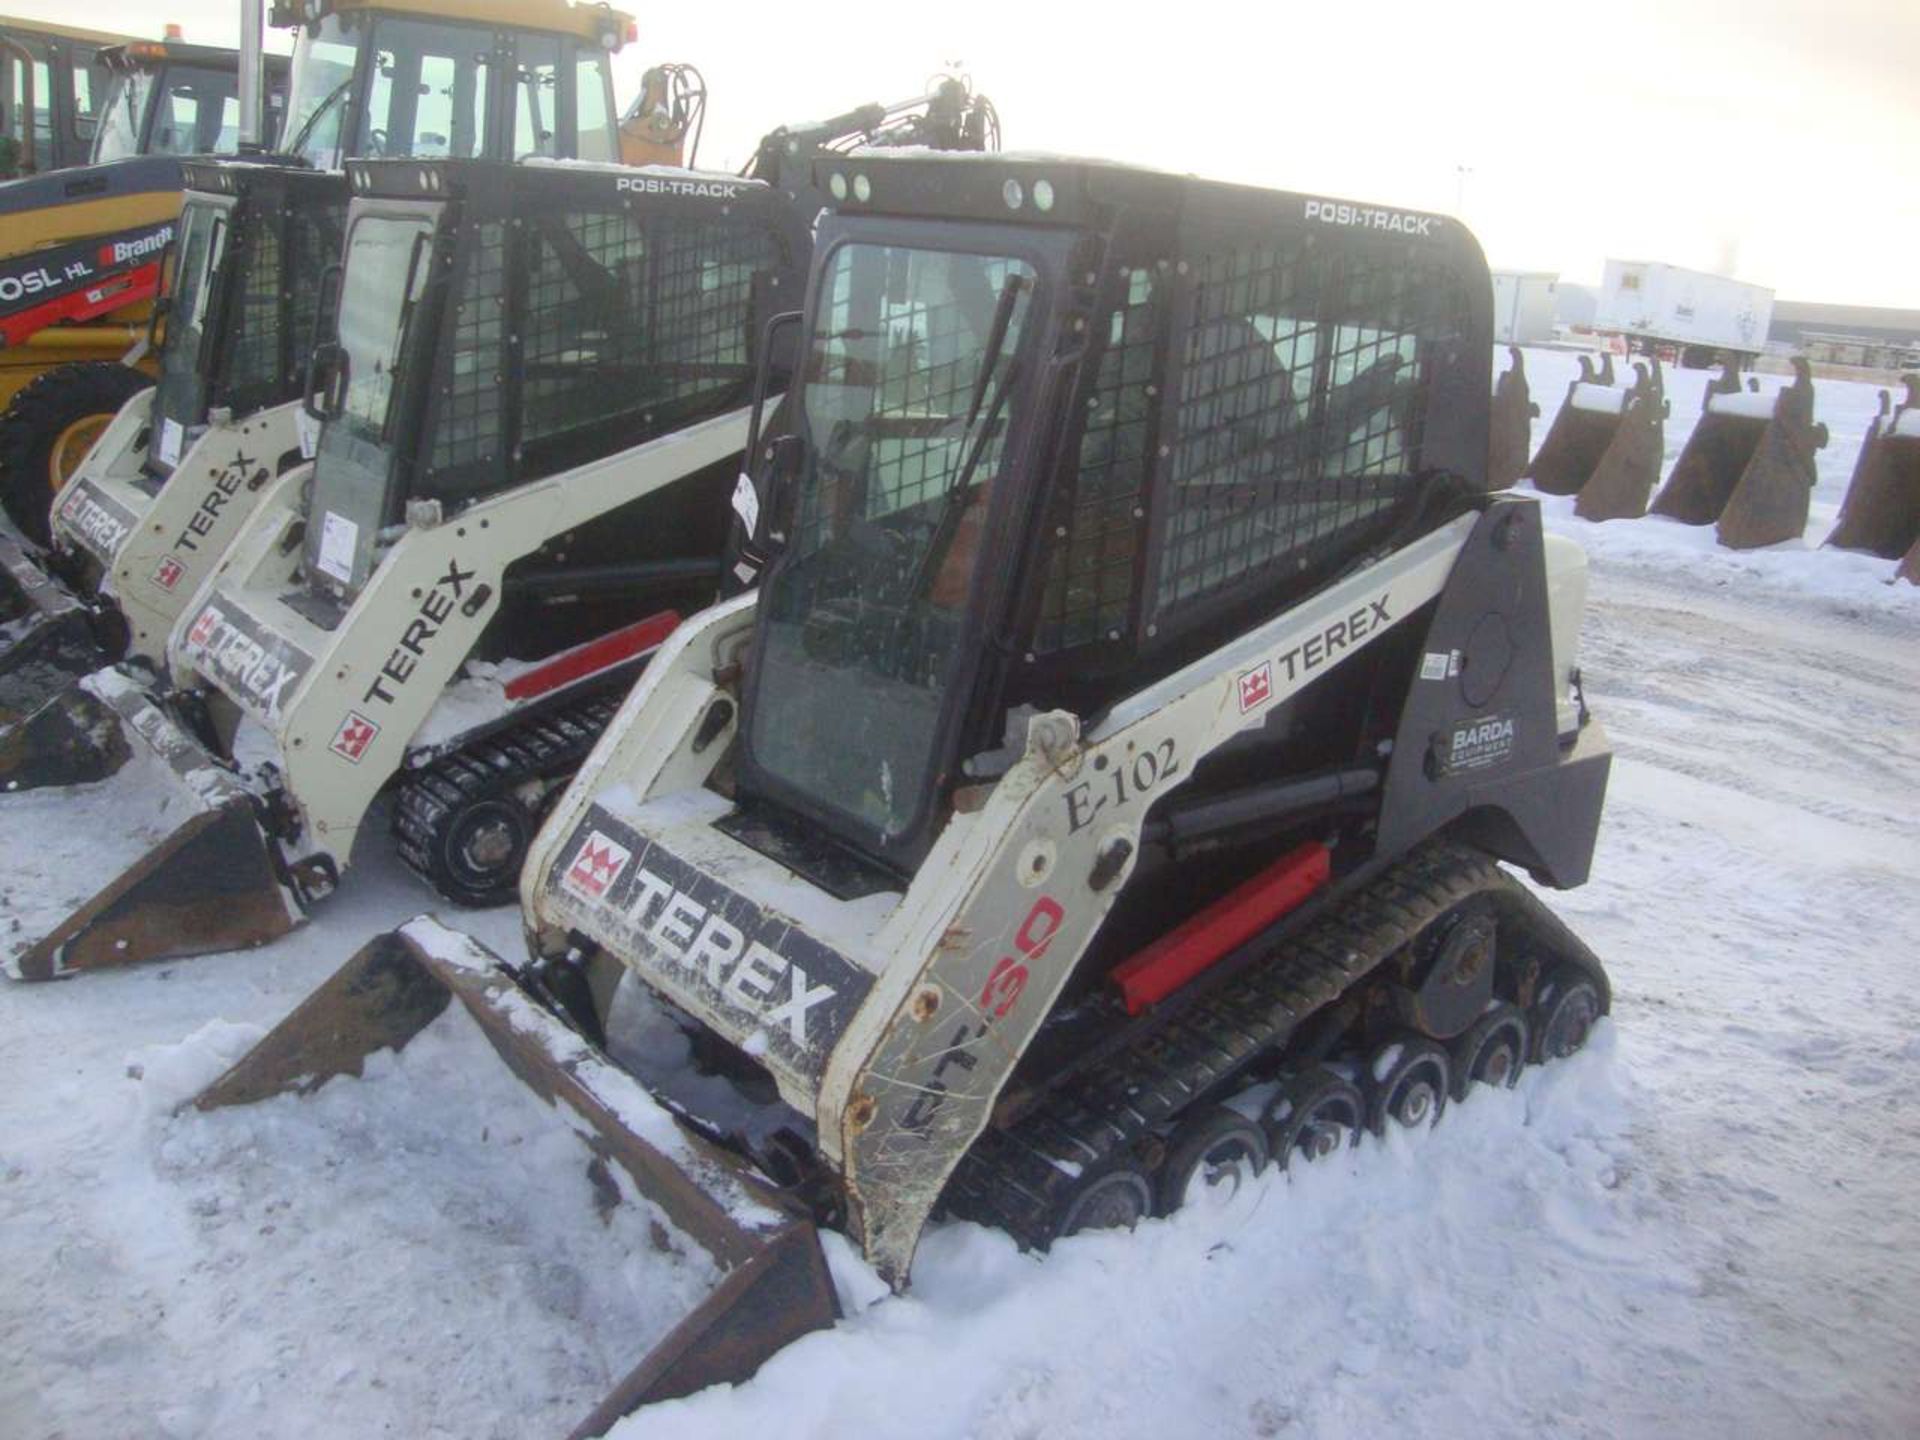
(777, 1287)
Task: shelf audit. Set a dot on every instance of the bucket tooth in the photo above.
(48, 637)
(1881, 514)
(776, 1288)
(1629, 467)
(1510, 431)
(208, 878)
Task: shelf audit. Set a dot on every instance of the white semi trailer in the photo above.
(1703, 317)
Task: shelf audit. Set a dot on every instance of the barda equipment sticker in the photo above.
(338, 538)
(1471, 745)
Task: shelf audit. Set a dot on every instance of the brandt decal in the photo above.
(696, 940)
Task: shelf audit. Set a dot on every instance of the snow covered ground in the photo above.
(1706, 1223)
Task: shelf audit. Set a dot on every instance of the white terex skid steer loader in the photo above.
(1105, 788)
(532, 420)
(179, 469)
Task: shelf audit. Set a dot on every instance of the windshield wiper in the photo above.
(295, 145)
(956, 498)
(397, 362)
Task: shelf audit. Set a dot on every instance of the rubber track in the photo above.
(1016, 1178)
(550, 744)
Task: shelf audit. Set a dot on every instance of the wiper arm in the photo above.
(955, 506)
(293, 146)
(396, 363)
(996, 342)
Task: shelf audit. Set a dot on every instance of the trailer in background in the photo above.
(1703, 318)
(1523, 306)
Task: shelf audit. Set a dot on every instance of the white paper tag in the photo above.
(170, 437)
(1433, 665)
(746, 503)
(338, 536)
(307, 429)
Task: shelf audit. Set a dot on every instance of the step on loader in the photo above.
(1606, 443)
(1881, 513)
(1748, 466)
(171, 480)
(1510, 427)
(531, 423)
(1107, 787)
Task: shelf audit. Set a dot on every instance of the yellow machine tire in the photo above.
(49, 428)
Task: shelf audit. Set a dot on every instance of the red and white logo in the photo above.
(1256, 688)
(203, 628)
(356, 732)
(596, 867)
(169, 573)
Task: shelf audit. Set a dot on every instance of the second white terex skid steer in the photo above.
(532, 418)
(177, 471)
(1106, 789)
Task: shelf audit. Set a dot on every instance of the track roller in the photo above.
(1213, 1155)
(1316, 1114)
(1408, 1081)
(1491, 1052)
(1114, 1196)
(1564, 1014)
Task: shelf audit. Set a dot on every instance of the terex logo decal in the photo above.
(355, 734)
(435, 608)
(262, 667)
(698, 941)
(596, 867)
(241, 470)
(168, 573)
(1256, 685)
(1365, 217)
(101, 525)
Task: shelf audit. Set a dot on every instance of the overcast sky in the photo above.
(1774, 140)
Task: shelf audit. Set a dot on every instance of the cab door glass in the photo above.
(536, 98)
(428, 96)
(89, 84)
(594, 122)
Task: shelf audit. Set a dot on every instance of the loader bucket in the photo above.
(776, 1287)
(1581, 432)
(1881, 513)
(155, 852)
(1620, 484)
(1510, 434)
(1910, 567)
(48, 638)
(1748, 466)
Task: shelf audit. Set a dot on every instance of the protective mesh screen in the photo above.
(316, 234)
(257, 339)
(627, 315)
(467, 425)
(1090, 573)
(1300, 409)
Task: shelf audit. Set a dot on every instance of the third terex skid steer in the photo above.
(532, 417)
(176, 472)
(1105, 788)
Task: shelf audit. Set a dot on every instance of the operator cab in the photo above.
(1059, 428)
(502, 323)
(380, 84)
(170, 98)
(242, 297)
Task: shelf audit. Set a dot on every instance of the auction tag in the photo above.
(746, 503)
(307, 430)
(338, 537)
(170, 437)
